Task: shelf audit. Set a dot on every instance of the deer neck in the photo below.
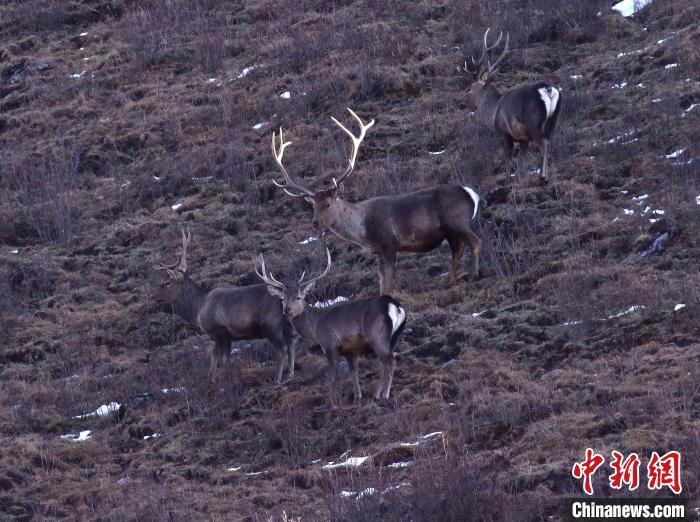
(349, 223)
(306, 323)
(486, 103)
(189, 302)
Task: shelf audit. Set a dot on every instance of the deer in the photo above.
(417, 221)
(228, 314)
(522, 115)
(347, 329)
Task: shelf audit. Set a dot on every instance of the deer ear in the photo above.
(309, 200)
(306, 290)
(274, 292)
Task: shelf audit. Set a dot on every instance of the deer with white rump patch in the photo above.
(348, 329)
(228, 314)
(525, 114)
(415, 222)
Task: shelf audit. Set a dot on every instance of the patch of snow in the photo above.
(260, 125)
(78, 75)
(675, 153)
(246, 71)
(126, 184)
(576, 77)
(614, 140)
(665, 39)
(437, 153)
(234, 469)
(620, 55)
(640, 199)
(211, 80)
(156, 178)
(620, 85)
(629, 7)
(80, 437)
(286, 95)
(616, 219)
(405, 464)
(15, 251)
(628, 211)
(432, 435)
(697, 200)
(647, 210)
(84, 34)
(205, 178)
(679, 306)
(656, 100)
(177, 389)
(692, 107)
(308, 240)
(652, 220)
(624, 191)
(444, 274)
(671, 66)
(124, 480)
(329, 302)
(477, 314)
(631, 309)
(349, 462)
(176, 206)
(660, 212)
(253, 473)
(102, 411)
(572, 323)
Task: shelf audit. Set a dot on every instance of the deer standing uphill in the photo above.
(522, 115)
(348, 329)
(415, 222)
(228, 314)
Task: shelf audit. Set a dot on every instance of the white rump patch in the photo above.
(475, 198)
(397, 316)
(550, 97)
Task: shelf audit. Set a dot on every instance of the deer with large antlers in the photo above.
(415, 222)
(522, 115)
(228, 314)
(347, 329)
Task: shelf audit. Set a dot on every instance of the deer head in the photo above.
(481, 72)
(325, 211)
(293, 295)
(177, 280)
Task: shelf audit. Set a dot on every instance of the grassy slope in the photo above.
(78, 160)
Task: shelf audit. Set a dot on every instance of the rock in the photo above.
(553, 374)
(43, 66)
(658, 246)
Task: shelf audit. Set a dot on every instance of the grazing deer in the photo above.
(522, 115)
(415, 222)
(228, 314)
(348, 329)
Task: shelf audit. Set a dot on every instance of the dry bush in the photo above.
(157, 31)
(42, 187)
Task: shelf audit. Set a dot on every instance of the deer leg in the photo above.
(457, 247)
(387, 268)
(291, 356)
(474, 242)
(332, 376)
(545, 149)
(522, 156)
(508, 146)
(353, 362)
(390, 367)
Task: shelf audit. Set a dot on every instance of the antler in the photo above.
(287, 184)
(356, 140)
(181, 265)
(486, 48)
(267, 278)
(310, 282)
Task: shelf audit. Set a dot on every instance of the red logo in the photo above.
(587, 468)
(665, 471)
(662, 471)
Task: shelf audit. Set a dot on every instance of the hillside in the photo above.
(123, 120)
